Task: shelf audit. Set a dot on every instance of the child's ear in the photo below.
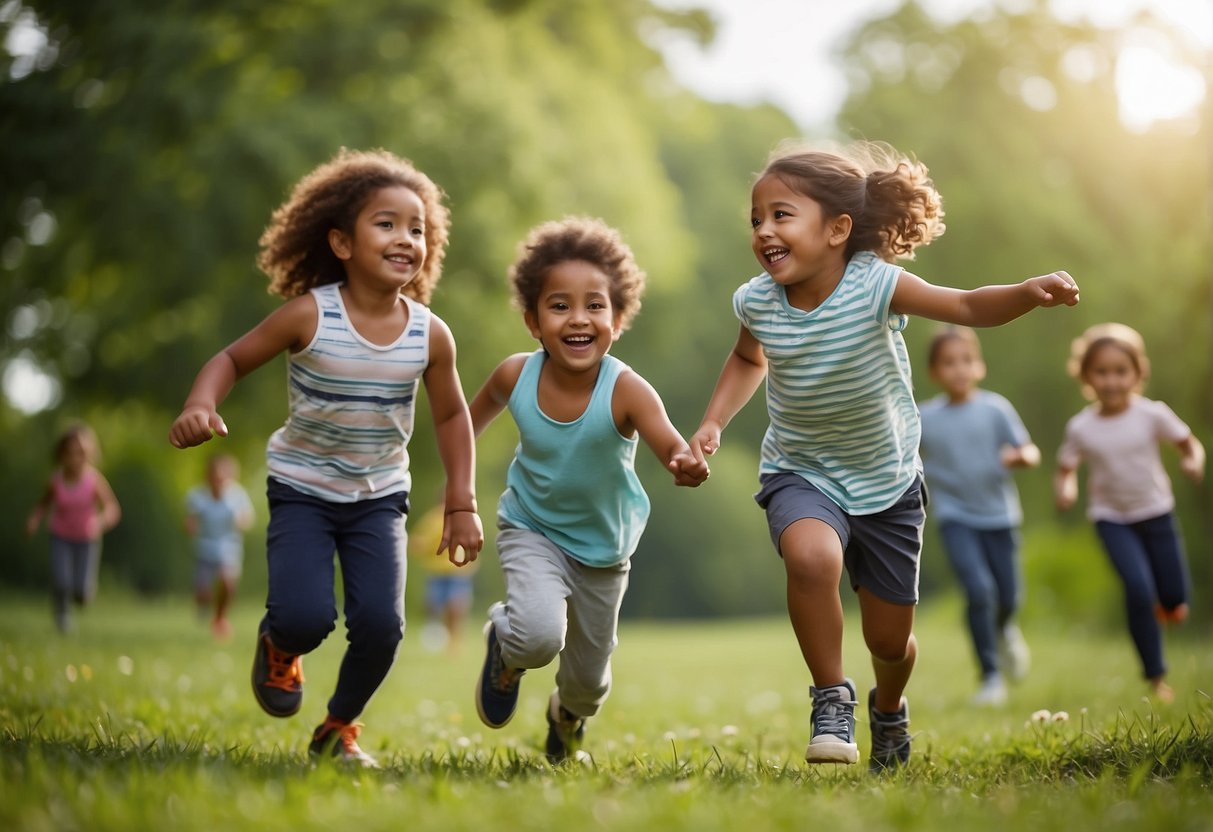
(339, 242)
(532, 323)
(840, 229)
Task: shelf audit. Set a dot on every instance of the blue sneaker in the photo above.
(497, 690)
(833, 738)
(890, 735)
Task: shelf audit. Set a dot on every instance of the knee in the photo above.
(890, 648)
(300, 630)
(807, 569)
(533, 643)
(379, 634)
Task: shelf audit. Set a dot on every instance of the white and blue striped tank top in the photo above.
(839, 393)
(351, 407)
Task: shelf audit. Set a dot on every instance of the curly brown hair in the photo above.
(295, 251)
(893, 204)
(577, 238)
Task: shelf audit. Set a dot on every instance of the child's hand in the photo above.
(194, 426)
(461, 532)
(1053, 289)
(705, 442)
(688, 470)
(1193, 468)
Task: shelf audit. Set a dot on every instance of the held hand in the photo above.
(462, 537)
(688, 470)
(1053, 289)
(705, 442)
(194, 426)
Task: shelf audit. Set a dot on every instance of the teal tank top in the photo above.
(574, 482)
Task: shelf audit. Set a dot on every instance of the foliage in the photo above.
(144, 148)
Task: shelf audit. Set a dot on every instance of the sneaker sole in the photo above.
(832, 752)
(480, 687)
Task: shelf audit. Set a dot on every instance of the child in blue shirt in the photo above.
(217, 514)
(971, 441)
(573, 508)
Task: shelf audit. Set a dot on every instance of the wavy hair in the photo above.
(892, 203)
(1095, 338)
(294, 248)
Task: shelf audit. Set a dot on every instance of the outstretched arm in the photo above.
(985, 306)
(743, 371)
(290, 326)
(637, 405)
(456, 445)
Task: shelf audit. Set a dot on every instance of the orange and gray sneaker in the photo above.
(338, 739)
(277, 678)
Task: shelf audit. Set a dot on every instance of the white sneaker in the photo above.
(833, 739)
(991, 694)
(1014, 652)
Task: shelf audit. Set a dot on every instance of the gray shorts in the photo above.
(880, 551)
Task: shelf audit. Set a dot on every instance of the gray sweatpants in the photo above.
(558, 606)
(73, 575)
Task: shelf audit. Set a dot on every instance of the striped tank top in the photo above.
(351, 407)
(839, 394)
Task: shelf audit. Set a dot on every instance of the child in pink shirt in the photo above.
(82, 507)
(1128, 492)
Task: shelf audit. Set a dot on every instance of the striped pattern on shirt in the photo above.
(839, 394)
(351, 407)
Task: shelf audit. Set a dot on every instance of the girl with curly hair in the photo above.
(840, 474)
(573, 508)
(356, 250)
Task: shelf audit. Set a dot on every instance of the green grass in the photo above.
(141, 721)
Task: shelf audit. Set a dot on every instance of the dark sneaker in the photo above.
(833, 725)
(497, 690)
(565, 732)
(277, 678)
(339, 740)
(890, 735)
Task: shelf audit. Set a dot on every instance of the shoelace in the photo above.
(890, 734)
(346, 745)
(285, 671)
(832, 712)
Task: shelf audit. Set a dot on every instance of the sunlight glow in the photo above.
(1151, 87)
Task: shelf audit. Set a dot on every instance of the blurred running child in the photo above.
(1129, 497)
(448, 586)
(840, 474)
(82, 508)
(573, 508)
(217, 514)
(357, 250)
(971, 439)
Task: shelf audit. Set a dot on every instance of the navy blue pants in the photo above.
(1148, 557)
(986, 562)
(369, 540)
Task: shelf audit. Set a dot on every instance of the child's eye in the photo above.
(780, 214)
(385, 224)
(754, 222)
(418, 232)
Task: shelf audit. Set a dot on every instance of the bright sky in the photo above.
(781, 51)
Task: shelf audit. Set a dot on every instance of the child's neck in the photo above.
(814, 290)
(961, 396)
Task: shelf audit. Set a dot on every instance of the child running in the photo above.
(1129, 497)
(840, 474)
(217, 514)
(82, 507)
(971, 439)
(573, 508)
(357, 250)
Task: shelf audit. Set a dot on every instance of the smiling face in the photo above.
(1109, 370)
(386, 247)
(791, 237)
(573, 318)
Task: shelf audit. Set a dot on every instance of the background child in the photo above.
(217, 513)
(1129, 495)
(448, 585)
(356, 250)
(82, 508)
(840, 472)
(573, 508)
(971, 438)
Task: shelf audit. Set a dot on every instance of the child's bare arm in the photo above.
(290, 326)
(743, 372)
(640, 407)
(34, 520)
(495, 393)
(111, 511)
(985, 306)
(1065, 486)
(1022, 456)
(461, 526)
(1192, 458)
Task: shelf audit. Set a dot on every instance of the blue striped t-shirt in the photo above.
(839, 394)
(351, 407)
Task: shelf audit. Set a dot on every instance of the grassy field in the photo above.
(140, 721)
